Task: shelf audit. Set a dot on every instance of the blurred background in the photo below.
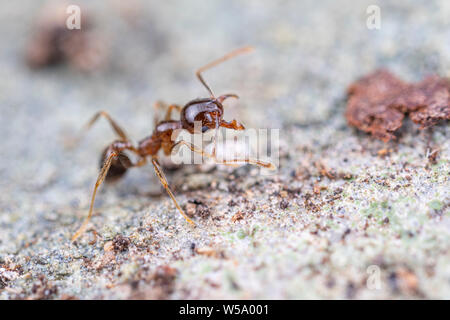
(306, 54)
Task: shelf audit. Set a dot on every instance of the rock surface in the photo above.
(345, 216)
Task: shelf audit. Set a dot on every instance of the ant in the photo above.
(208, 111)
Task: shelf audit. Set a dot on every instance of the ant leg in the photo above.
(163, 180)
(115, 150)
(232, 162)
(162, 105)
(169, 111)
(157, 106)
(117, 129)
(235, 125)
(218, 124)
(214, 63)
(216, 132)
(200, 151)
(100, 178)
(230, 125)
(223, 97)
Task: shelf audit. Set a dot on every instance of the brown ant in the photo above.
(208, 111)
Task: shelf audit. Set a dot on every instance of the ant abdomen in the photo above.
(119, 165)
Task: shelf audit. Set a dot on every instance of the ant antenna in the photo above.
(218, 61)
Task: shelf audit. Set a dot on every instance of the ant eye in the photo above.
(204, 129)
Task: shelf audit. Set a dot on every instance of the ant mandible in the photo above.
(209, 111)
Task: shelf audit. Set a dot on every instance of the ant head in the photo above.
(208, 111)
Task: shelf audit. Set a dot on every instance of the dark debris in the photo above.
(378, 103)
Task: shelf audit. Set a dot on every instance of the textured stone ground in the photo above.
(340, 202)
